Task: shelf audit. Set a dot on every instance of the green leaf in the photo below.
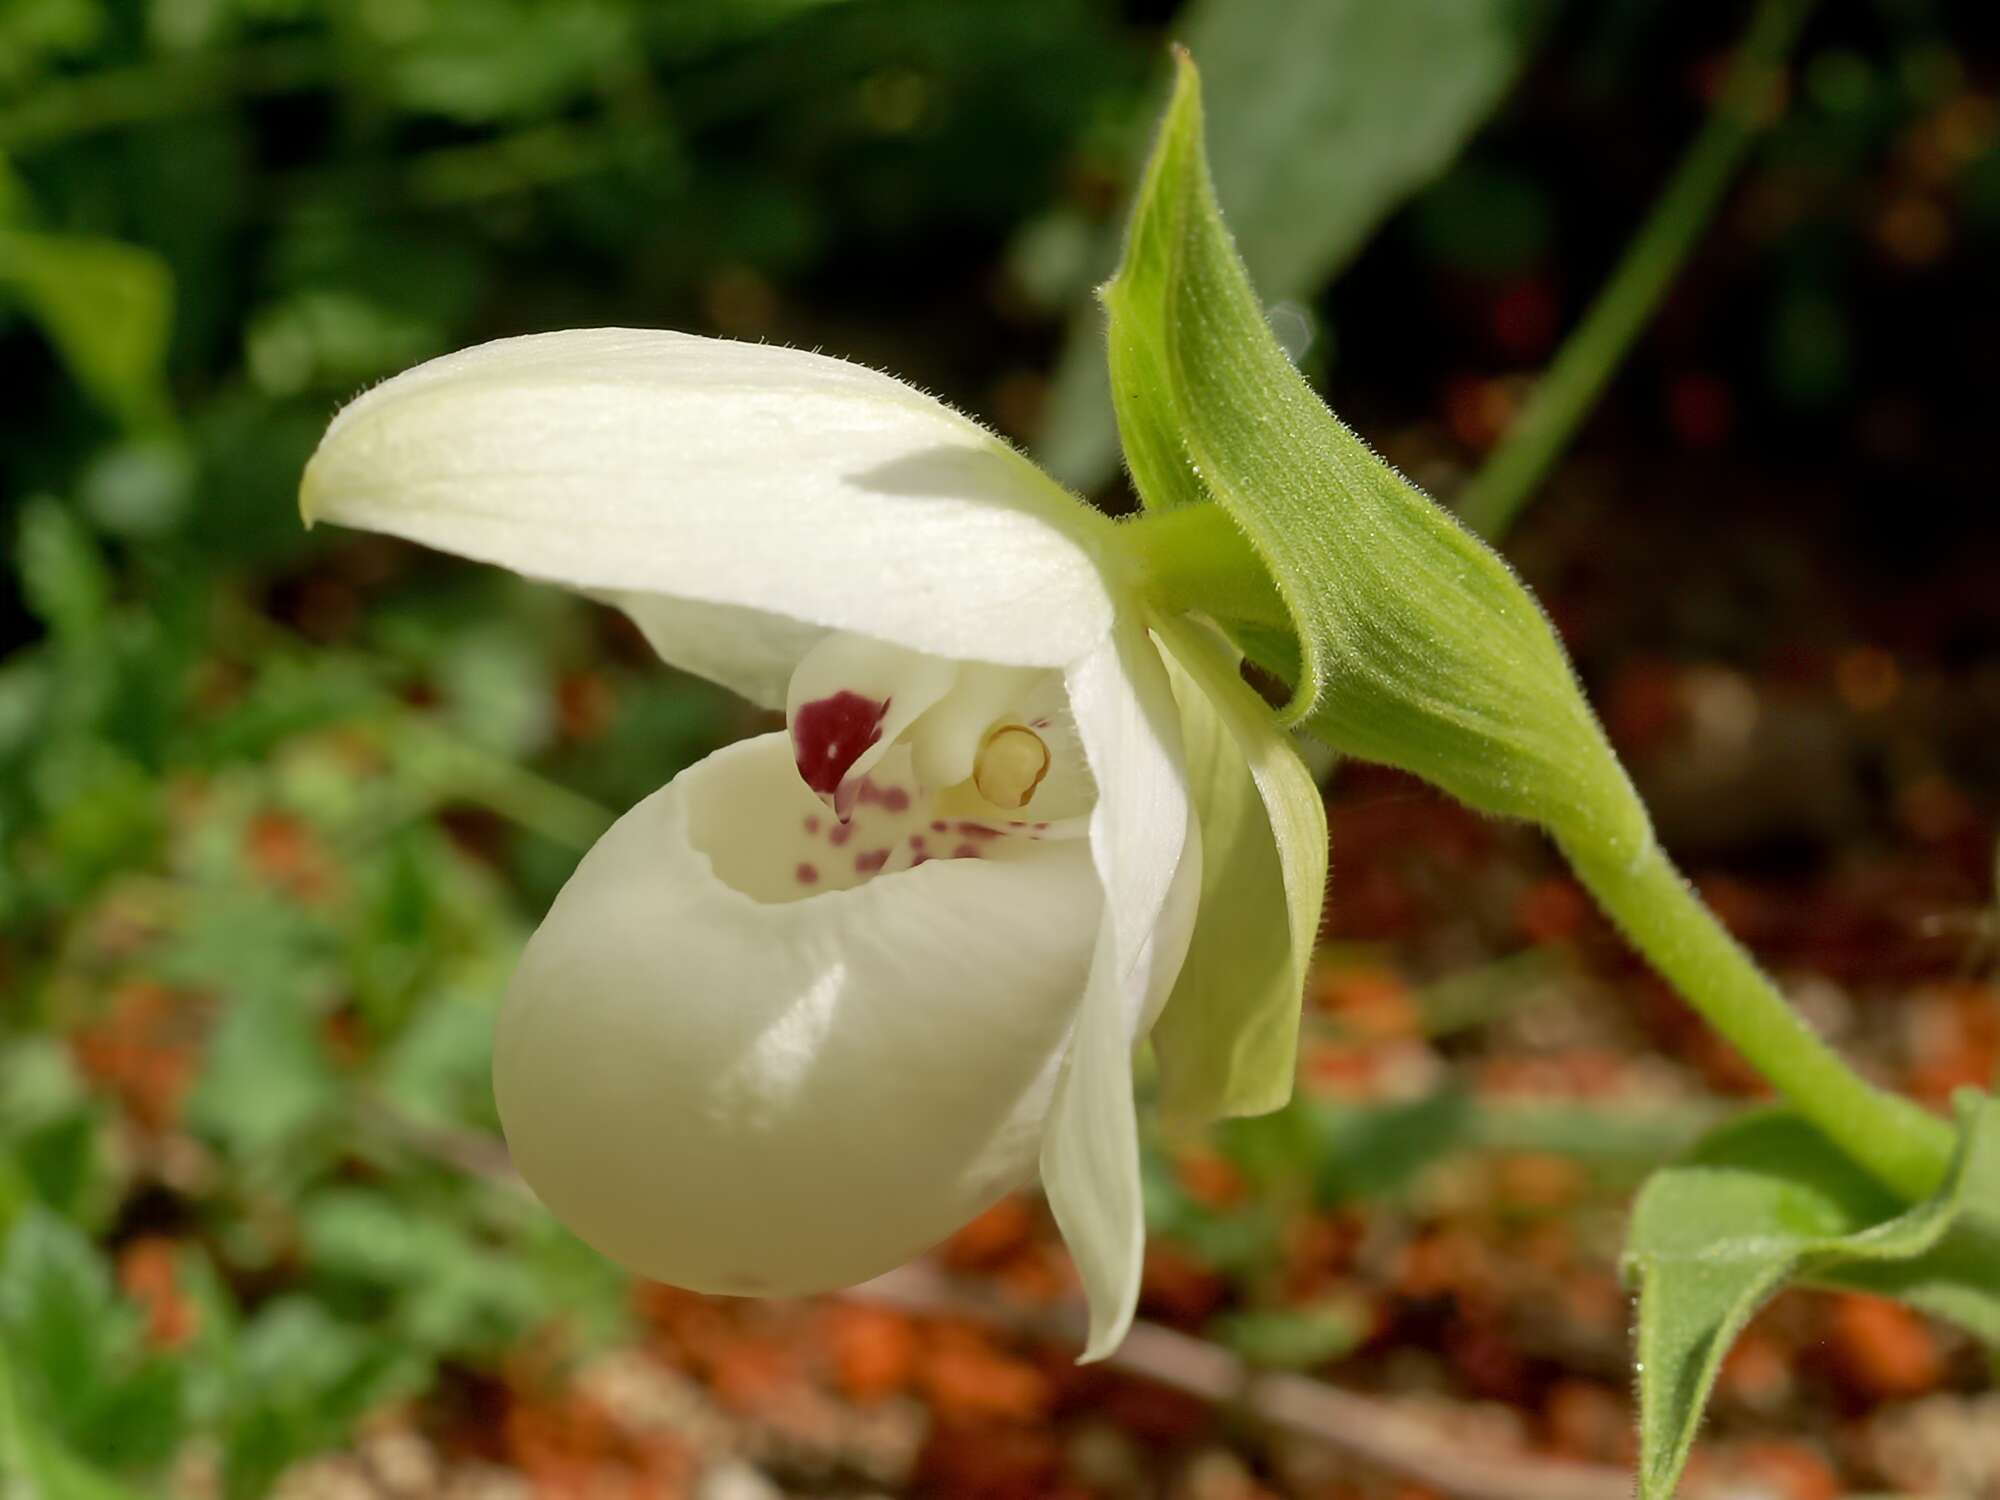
(107, 308)
(1329, 114)
(63, 572)
(453, 1294)
(33, 1463)
(57, 1310)
(1414, 645)
(136, 1423)
(1766, 1200)
(1297, 1338)
(1227, 1041)
(302, 1379)
(266, 1078)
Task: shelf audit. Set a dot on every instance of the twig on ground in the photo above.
(1361, 1427)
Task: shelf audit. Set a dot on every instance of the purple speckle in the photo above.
(965, 851)
(870, 860)
(839, 835)
(812, 825)
(940, 826)
(807, 874)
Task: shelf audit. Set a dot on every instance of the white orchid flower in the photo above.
(834, 990)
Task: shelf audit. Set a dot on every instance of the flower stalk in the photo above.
(1901, 1145)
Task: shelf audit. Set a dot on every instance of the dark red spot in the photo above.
(869, 794)
(829, 735)
(807, 874)
(839, 835)
(870, 860)
(965, 851)
(921, 859)
(916, 841)
(1041, 827)
(812, 825)
(940, 826)
(978, 831)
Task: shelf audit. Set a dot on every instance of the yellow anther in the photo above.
(1011, 763)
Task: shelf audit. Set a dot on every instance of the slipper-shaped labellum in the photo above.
(832, 991)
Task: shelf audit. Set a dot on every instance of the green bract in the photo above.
(1411, 642)
(1311, 159)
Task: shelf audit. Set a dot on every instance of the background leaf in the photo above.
(106, 306)
(1315, 142)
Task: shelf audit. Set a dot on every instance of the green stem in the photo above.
(1195, 558)
(1564, 396)
(1902, 1145)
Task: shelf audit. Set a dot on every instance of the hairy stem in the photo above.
(1902, 1145)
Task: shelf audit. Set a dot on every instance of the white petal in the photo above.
(780, 1096)
(1139, 834)
(625, 461)
(749, 651)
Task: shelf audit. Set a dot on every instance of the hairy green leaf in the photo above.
(1415, 646)
(1767, 1200)
(1330, 114)
(1227, 1040)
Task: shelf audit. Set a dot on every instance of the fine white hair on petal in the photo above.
(760, 1097)
(631, 462)
(1140, 835)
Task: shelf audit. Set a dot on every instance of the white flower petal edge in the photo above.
(642, 462)
(734, 1058)
(879, 1060)
(1139, 833)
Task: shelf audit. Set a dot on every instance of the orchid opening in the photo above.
(831, 992)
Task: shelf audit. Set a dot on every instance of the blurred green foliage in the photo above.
(277, 809)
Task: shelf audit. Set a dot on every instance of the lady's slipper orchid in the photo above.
(834, 990)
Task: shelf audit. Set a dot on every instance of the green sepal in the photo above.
(1413, 643)
(1227, 1041)
(1768, 1200)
